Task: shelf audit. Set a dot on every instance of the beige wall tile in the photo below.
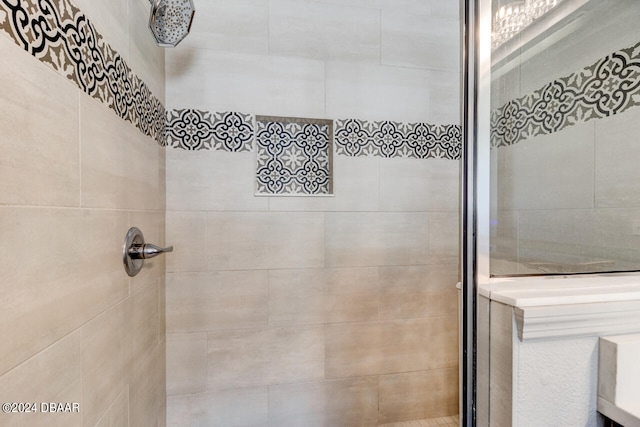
(53, 375)
(186, 363)
(39, 142)
(418, 395)
(146, 59)
(108, 17)
(421, 41)
(259, 84)
(83, 274)
(323, 31)
(352, 402)
(186, 232)
(444, 96)
(120, 166)
(419, 185)
(372, 239)
(617, 175)
(104, 362)
(373, 348)
(118, 413)
(377, 92)
(255, 357)
(501, 364)
(444, 240)
(256, 240)
(553, 171)
(229, 408)
(356, 182)
(323, 295)
(200, 302)
(142, 319)
(147, 391)
(212, 180)
(418, 291)
(231, 25)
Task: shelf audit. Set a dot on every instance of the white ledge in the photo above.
(547, 308)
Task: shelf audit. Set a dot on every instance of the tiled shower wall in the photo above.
(74, 178)
(568, 200)
(327, 310)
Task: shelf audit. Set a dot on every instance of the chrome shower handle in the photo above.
(135, 251)
(147, 250)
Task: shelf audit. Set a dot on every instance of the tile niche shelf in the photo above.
(293, 156)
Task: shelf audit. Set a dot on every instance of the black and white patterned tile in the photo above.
(607, 87)
(293, 156)
(397, 139)
(57, 33)
(190, 129)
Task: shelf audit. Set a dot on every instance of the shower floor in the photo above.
(452, 421)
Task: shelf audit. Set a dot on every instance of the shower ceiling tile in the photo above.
(293, 156)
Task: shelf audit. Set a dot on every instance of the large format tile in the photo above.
(257, 240)
(418, 291)
(315, 296)
(120, 166)
(104, 363)
(186, 363)
(256, 357)
(347, 402)
(553, 171)
(258, 84)
(229, 408)
(40, 162)
(323, 31)
(211, 301)
(186, 232)
(142, 319)
(212, 180)
(419, 185)
(230, 25)
(578, 240)
(617, 172)
(147, 390)
(421, 41)
(53, 375)
(53, 259)
(444, 237)
(118, 413)
(377, 92)
(374, 239)
(373, 348)
(108, 17)
(418, 395)
(356, 187)
(146, 59)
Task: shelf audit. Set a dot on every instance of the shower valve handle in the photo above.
(147, 250)
(135, 250)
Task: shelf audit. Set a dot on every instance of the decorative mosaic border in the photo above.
(395, 139)
(293, 156)
(190, 129)
(57, 33)
(607, 87)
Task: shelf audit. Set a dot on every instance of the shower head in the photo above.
(170, 21)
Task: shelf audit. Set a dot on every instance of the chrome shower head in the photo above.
(170, 21)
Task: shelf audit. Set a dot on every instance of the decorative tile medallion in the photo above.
(293, 156)
(607, 87)
(57, 33)
(395, 139)
(203, 130)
